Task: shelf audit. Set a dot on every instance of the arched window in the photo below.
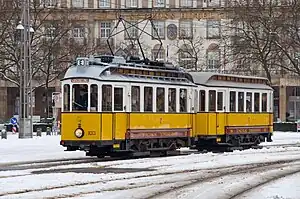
(213, 57)
(158, 54)
(185, 57)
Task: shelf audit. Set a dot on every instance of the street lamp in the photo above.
(26, 107)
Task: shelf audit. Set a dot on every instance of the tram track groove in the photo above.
(226, 171)
(260, 184)
(201, 181)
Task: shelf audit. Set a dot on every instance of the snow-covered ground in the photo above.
(209, 175)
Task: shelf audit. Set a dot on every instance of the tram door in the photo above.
(119, 118)
(221, 109)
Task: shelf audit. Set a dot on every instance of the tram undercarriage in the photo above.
(230, 142)
(137, 147)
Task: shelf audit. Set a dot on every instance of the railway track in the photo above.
(266, 181)
(39, 164)
(176, 180)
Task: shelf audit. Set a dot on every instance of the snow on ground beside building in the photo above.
(36, 148)
(283, 138)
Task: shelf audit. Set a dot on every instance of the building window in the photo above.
(158, 53)
(78, 32)
(186, 3)
(104, 3)
(214, 3)
(159, 3)
(213, 29)
(185, 29)
(49, 3)
(158, 30)
(105, 29)
(132, 31)
(131, 3)
(185, 56)
(213, 57)
(50, 31)
(78, 3)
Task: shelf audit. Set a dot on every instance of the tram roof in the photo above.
(98, 72)
(229, 80)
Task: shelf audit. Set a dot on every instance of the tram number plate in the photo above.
(91, 132)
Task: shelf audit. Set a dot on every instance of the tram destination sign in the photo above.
(80, 80)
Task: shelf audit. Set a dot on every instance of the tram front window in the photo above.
(80, 97)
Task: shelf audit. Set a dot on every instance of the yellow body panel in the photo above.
(106, 126)
(109, 126)
(120, 125)
(215, 123)
(159, 121)
(89, 122)
(244, 119)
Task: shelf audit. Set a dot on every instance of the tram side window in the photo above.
(183, 100)
(249, 102)
(160, 100)
(172, 99)
(256, 102)
(66, 97)
(106, 98)
(202, 100)
(220, 101)
(232, 101)
(80, 97)
(212, 100)
(94, 97)
(241, 101)
(264, 103)
(135, 98)
(148, 99)
(118, 99)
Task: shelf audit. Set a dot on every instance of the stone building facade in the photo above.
(181, 25)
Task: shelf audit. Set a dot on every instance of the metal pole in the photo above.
(20, 88)
(30, 71)
(25, 126)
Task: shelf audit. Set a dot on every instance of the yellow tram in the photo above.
(113, 106)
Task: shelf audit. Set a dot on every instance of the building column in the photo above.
(282, 102)
(3, 103)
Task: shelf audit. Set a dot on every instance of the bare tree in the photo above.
(250, 42)
(54, 45)
(190, 53)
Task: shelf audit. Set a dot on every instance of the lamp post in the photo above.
(26, 110)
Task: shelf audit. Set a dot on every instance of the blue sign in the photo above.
(13, 120)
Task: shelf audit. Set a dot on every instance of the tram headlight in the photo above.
(79, 133)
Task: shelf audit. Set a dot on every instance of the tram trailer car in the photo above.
(113, 106)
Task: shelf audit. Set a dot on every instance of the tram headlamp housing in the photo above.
(79, 132)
